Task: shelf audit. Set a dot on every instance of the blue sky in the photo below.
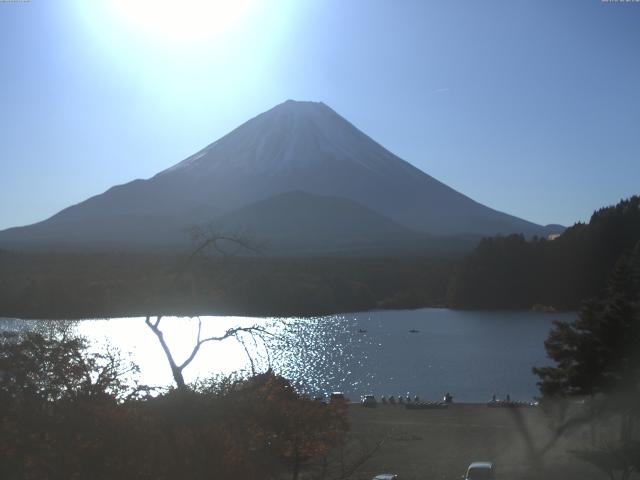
(530, 107)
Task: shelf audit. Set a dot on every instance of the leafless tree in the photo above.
(178, 368)
(206, 238)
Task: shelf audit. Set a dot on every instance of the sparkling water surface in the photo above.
(424, 352)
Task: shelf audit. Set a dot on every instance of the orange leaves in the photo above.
(57, 428)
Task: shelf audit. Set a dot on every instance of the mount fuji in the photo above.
(299, 176)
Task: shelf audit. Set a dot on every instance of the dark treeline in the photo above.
(597, 362)
(502, 272)
(102, 285)
(512, 272)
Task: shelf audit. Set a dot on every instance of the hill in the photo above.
(298, 222)
(513, 272)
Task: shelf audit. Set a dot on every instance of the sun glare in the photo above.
(187, 52)
(181, 21)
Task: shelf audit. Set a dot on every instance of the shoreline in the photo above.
(250, 314)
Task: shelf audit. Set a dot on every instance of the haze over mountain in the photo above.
(353, 191)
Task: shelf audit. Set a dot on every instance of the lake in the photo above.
(424, 352)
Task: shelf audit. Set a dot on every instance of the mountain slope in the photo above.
(299, 222)
(295, 146)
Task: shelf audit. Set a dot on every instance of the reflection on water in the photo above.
(425, 352)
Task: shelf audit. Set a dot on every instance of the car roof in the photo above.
(385, 476)
(481, 465)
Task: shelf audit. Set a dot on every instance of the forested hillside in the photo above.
(512, 272)
(81, 286)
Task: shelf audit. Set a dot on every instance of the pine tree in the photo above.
(599, 352)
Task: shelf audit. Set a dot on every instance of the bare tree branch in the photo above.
(177, 369)
(208, 237)
(246, 350)
(205, 238)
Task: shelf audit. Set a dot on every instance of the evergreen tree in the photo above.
(513, 272)
(599, 352)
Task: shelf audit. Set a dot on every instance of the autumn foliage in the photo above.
(66, 413)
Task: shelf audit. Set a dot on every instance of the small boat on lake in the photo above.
(413, 330)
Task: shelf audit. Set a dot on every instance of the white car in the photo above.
(481, 471)
(386, 476)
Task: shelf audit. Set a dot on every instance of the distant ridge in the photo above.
(299, 222)
(303, 147)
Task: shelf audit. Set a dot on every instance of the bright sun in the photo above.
(181, 21)
(185, 50)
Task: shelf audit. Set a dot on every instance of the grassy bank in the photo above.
(440, 444)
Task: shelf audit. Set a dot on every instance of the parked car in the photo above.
(386, 476)
(369, 401)
(337, 397)
(480, 471)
